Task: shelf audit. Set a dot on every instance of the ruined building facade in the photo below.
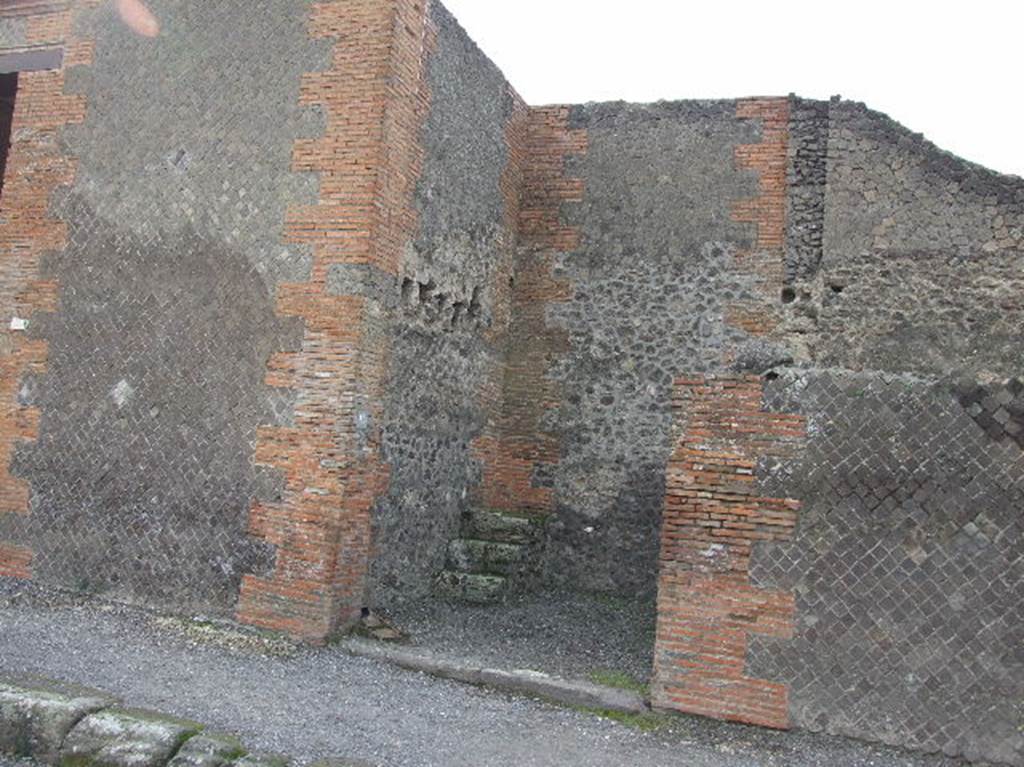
(294, 289)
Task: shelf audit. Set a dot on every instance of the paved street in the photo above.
(318, 703)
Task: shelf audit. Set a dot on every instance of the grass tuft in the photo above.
(618, 679)
(647, 722)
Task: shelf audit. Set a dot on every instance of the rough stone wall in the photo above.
(907, 554)
(898, 304)
(243, 242)
(450, 312)
(659, 265)
(270, 332)
(806, 178)
(921, 256)
(142, 475)
(906, 565)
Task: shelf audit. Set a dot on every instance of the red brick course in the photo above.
(522, 442)
(36, 167)
(31, 7)
(765, 262)
(714, 515)
(486, 448)
(368, 161)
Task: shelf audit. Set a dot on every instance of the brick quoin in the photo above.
(36, 168)
(368, 161)
(486, 448)
(523, 444)
(713, 516)
(764, 263)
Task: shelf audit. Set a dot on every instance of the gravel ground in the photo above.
(316, 703)
(568, 635)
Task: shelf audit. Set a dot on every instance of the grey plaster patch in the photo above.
(13, 32)
(362, 280)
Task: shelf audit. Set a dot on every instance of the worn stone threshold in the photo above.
(570, 692)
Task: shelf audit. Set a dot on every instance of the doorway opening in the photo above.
(8, 94)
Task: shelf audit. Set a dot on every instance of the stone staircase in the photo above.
(496, 554)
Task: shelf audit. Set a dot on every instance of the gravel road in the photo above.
(565, 634)
(317, 703)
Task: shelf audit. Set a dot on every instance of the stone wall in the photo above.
(142, 477)
(906, 566)
(292, 280)
(920, 262)
(274, 324)
(648, 287)
(888, 611)
(908, 551)
(449, 312)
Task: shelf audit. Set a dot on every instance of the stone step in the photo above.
(486, 557)
(470, 587)
(502, 528)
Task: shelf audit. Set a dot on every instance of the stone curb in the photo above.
(61, 724)
(572, 692)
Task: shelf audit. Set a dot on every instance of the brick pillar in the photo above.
(36, 168)
(523, 446)
(487, 447)
(764, 263)
(713, 516)
(368, 160)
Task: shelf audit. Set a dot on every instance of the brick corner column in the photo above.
(714, 515)
(36, 168)
(522, 446)
(375, 99)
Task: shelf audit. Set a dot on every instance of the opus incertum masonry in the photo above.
(326, 318)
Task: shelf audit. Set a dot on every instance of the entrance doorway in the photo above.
(8, 94)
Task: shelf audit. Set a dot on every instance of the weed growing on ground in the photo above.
(619, 679)
(649, 721)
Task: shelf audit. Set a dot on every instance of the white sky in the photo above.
(951, 70)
